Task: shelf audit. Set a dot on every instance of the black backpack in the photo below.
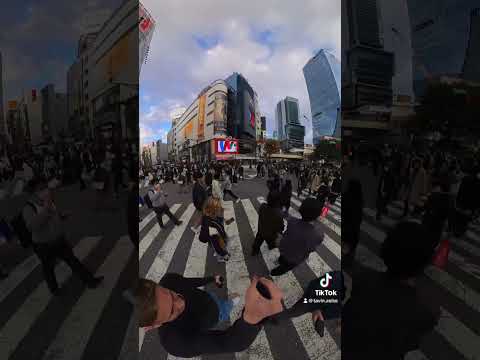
(147, 200)
(20, 227)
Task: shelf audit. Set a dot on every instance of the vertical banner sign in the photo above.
(201, 116)
(252, 118)
(146, 27)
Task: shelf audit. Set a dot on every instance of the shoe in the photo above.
(238, 200)
(196, 230)
(57, 292)
(223, 258)
(229, 221)
(178, 223)
(162, 226)
(255, 252)
(95, 282)
(235, 299)
(128, 296)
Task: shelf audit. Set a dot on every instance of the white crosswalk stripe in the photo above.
(146, 241)
(238, 281)
(314, 345)
(23, 319)
(463, 339)
(71, 341)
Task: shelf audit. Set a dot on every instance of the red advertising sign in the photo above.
(227, 147)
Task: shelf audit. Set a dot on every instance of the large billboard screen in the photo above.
(223, 146)
(220, 113)
(249, 115)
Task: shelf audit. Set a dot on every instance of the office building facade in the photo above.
(290, 132)
(323, 78)
(243, 113)
(441, 36)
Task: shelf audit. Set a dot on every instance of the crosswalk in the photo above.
(84, 324)
(162, 255)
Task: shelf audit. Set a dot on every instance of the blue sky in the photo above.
(196, 43)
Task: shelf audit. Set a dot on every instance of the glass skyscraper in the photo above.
(440, 32)
(290, 132)
(322, 75)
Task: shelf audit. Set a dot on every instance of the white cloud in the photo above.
(178, 69)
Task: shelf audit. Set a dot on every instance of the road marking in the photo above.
(238, 278)
(454, 257)
(453, 330)
(442, 278)
(147, 240)
(20, 323)
(146, 220)
(164, 257)
(71, 340)
(315, 346)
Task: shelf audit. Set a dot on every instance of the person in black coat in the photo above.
(389, 312)
(352, 214)
(286, 195)
(270, 223)
(199, 194)
(385, 191)
(132, 213)
(438, 208)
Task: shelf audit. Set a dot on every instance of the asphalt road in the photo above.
(177, 249)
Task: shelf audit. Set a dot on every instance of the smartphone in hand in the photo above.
(320, 327)
(262, 289)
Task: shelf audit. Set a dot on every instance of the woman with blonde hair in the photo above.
(212, 230)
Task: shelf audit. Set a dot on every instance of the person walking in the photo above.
(159, 204)
(212, 231)
(270, 223)
(352, 214)
(45, 223)
(227, 188)
(286, 195)
(301, 237)
(199, 194)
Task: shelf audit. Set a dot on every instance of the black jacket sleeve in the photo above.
(189, 282)
(236, 338)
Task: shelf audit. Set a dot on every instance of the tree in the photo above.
(271, 147)
(328, 149)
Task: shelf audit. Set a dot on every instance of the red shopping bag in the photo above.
(324, 211)
(440, 258)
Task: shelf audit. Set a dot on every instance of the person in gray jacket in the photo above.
(159, 203)
(49, 242)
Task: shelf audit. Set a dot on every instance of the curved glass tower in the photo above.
(322, 75)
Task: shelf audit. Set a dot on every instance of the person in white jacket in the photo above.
(217, 193)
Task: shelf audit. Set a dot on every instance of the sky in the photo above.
(267, 41)
(39, 39)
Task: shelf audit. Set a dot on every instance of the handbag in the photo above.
(440, 259)
(324, 211)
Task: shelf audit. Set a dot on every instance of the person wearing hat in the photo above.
(301, 237)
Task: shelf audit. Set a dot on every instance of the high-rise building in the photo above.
(322, 75)
(291, 133)
(242, 113)
(471, 71)
(147, 27)
(441, 31)
(162, 151)
(369, 80)
(54, 113)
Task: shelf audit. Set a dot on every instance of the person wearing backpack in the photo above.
(212, 229)
(159, 204)
(48, 238)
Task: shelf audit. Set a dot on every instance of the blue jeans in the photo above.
(224, 307)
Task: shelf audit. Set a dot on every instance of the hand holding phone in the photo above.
(320, 327)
